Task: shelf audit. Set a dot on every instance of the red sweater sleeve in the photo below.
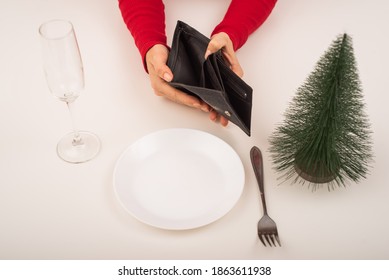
(146, 21)
(243, 17)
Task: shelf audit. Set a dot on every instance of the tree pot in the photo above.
(312, 175)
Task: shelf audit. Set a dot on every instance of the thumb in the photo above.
(213, 46)
(207, 53)
(164, 72)
(217, 42)
(156, 59)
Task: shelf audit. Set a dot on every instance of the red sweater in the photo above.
(146, 21)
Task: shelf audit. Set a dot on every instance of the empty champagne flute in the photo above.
(65, 78)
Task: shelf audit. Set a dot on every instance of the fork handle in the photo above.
(257, 162)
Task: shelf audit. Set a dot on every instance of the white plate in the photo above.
(179, 179)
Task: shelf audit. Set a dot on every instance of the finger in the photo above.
(231, 58)
(159, 68)
(205, 107)
(164, 72)
(223, 121)
(222, 41)
(180, 97)
(234, 64)
(213, 115)
(156, 59)
(213, 46)
(237, 69)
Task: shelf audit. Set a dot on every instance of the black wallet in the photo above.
(211, 80)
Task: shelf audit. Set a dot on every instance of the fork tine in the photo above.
(261, 238)
(278, 239)
(271, 237)
(267, 239)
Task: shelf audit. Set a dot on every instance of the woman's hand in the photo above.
(160, 74)
(221, 41)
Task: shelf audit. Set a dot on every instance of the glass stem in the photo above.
(77, 140)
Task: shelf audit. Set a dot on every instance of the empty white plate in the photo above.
(178, 178)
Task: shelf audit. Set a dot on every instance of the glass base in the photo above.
(80, 150)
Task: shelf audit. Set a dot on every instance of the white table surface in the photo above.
(50, 209)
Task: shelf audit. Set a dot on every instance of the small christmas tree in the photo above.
(326, 137)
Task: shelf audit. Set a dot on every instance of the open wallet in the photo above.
(209, 79)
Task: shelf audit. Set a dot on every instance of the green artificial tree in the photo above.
(325, 138)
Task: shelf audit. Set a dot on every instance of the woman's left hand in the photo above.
(221, 41)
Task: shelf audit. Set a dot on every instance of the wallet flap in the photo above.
(186, 57)
(211, 77)
(216, 100)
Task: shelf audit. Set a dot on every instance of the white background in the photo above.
(53, 210)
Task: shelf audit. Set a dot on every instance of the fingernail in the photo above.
(167, 77)
(213, 118)
(196, 105)
(205, 109)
